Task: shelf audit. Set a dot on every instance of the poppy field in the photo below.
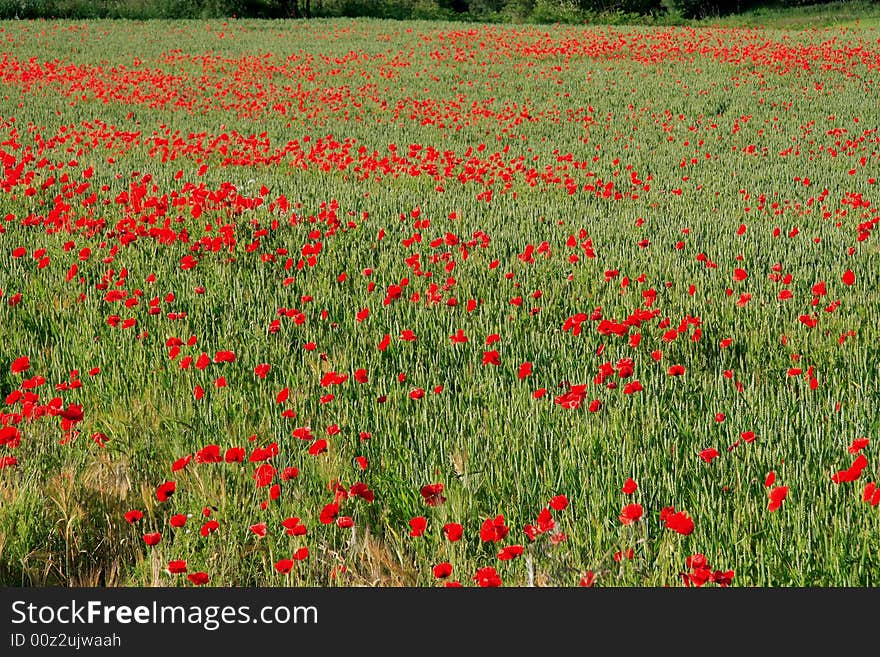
(374, 303)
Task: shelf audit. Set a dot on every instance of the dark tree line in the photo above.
(525, 8)
(295, 8)
(477, 10)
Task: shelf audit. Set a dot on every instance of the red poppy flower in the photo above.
(333, 379)
(624, 368)
(165, 490)
(177, 566)
(209, 454)
(858, 445)
(709, 454)
(677, 521)
(849, 278)
(259, 529)
(417, 525)
(853, 472)
(284, 566)
(10, 436)
(199, 578)
(264, 474)
(288, 473)
(453, 531)
(723, 579)
(73, 414)
(493, 529)
(360, 489)
(629, 486)
(777, 495)
(234, 455)
(631, 513)
(318, 447)
(487, 577)
(152, 539)
(209, 527)
(675, 370)
(294, 526)
(181, 463)
(19, 365)
(203, 361)
(133, 516)
(697, 577)
(545, 521)
(177, 520)
(510, 552)
(696, 561)
(329, 513)
(559, 502)
(570, 399)
(442, 570)
(433, 494)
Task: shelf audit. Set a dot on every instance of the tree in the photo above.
(698, 8)
(292, 9)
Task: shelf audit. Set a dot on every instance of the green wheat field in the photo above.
(374, 303)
